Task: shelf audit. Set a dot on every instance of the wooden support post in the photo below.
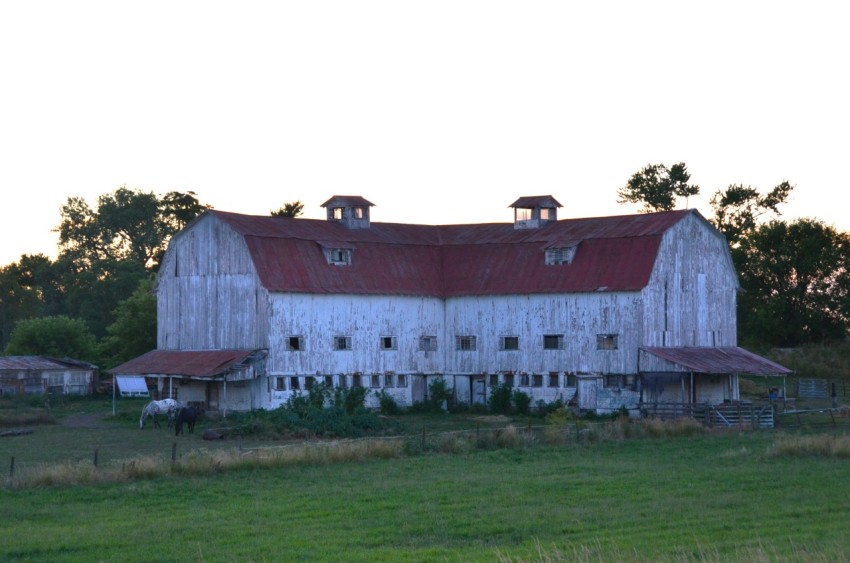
(95, 457)
(174, 452)
(12, 468)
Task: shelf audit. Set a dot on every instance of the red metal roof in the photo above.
(193, 363)
(613, 254)
(719, 360)
(40, 363)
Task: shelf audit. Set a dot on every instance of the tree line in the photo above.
(95, 301)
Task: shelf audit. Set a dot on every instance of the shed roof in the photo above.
(730, 359)
(38, 363)
(191, 363)
(617, 253)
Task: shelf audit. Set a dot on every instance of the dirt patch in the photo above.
(85, 420)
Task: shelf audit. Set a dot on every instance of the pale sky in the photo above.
(436, 111)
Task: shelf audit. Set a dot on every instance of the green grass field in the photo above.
(708, 497)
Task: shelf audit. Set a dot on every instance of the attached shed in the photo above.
(215, 380)
(40, 374)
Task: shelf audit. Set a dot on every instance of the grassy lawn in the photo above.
(714, 497)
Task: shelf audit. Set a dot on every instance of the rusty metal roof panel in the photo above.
(730, 359)
(193, 363)
(41, 363)
(613, 254)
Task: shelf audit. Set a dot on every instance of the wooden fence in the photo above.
(748, 414)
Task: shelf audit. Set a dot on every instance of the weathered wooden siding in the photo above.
(318, 319)
(691, 297)
(578, 317)
(208, 292)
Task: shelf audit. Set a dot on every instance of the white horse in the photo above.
(169, 407)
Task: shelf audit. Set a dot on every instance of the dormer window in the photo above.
(556, 256)
(339, 256)
(338, 213)
(534, 212)
(359, 212)
(352, 211)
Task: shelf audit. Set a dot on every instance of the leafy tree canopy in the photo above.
(134, 331)
(57, 337)
(127, 225)
(656, 186)
(738, 208)
(796, 283)
(292, 209)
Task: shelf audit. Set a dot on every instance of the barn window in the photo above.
(509, 379)
(630, 382)
(509, 343)
(295, 343)
(294, 384)
(329, 381)
(280, 384)
(465, 343)
(428, 343)
(375, 381)
(356, 380)
(558, 256)
(570, 380)
(338, 213)
(554, 379)
(341, 381)
(524, 380)
(309, 382)
(388, 380)
(613, 381)
(359, 212)
(389, 343)
(553, 341)
(342, 343)
(537, 380)
(401, 380)
(338, 256)
(607, 342)
(494, 379)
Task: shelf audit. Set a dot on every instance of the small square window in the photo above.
(294, 384)
(558, 256)
(428, 343)
(553, 342)
(570, 380)
(554, 379)
(388, 380)
(342, 343)
(295, 343)
(524, 380)
(375, 381)
(359, 212)
(280, 384)
(356, 380)
(607, 342)
(338, 213)
(329, 381)
(613, 381)
(389, 343)
(509, 343)
(494, 379)
(401, 380)
(537, 380)
(341, 381)
(339, 256)
(465, 343)
(309, 382)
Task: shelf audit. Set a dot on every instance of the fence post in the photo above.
(95, 457)
(174, 452)
(478, 434)
(12, 467)
(423, 439)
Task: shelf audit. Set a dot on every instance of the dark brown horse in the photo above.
(187, 415)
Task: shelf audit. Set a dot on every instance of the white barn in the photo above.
(606, 312)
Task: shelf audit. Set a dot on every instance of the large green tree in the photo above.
(656, 187)
(126, 225)
(134, 330)
(796, 283)
(738, 209)
(57, 337)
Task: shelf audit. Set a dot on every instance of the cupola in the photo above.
(533, 212)
(350, 210)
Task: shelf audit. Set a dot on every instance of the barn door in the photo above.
(418, 390)
(479, 393)
(587, 393)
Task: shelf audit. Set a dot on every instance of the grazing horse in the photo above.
(188, 415)
(165, 406)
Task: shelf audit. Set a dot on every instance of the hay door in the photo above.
(586, 391)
